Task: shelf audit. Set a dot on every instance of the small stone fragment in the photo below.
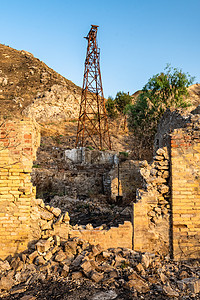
(65, 271)
(169, 291)
(40, 260)
(56, 211)
(60, 256)
(6, 283)
(77, 275)
(46, 215)
(43, 245)
(4, 265)
(96, 276)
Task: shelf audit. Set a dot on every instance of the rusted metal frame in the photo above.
(91, 77)
(80, 125)
(97, 98)
(104, 108)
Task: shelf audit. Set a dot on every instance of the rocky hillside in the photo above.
(29, 87)
(194, 94)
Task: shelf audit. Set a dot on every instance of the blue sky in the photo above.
(137, 38)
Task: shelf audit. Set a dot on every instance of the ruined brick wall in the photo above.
(170, 223)
(18, 144)
(185, 168)
(152, 210)
(114, 237)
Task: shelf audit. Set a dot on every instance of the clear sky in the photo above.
(137, 38)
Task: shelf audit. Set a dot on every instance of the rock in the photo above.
(89, 227)
(138, 283)
(58, 221)
(96, 276)
(46, 215)
(113, 274)
(56, 240)
(18, 290)
(4, 265)
(48, 256)
(4, 81)
(40, 260)
(163, 278)
(144, 164)
(192, 284)
(119, 261)
(47, 225)
(6, 283)
(19, 266)
(69, 257)
(28, 297)
(77, 260)
(153, 172)
(146, 260)
(106, 254)
(183, 275)
(167, 289)
(43, 245)
(108, 295)
(65, 271)
(96, 250)
(15, 262)
(71, 246)
(87, 267)
(77, 275)
(140, 268)
(66, 218)
(60, 256)
(56, 211)
(158, 157)
(161, 152)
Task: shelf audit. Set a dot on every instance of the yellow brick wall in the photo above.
(18, 144)
(185, 169)
(120, 236)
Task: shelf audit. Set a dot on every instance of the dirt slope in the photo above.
(26, 82)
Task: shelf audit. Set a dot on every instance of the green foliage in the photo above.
(165, 90)
(118, 104)
(90, 148)
(110, 108)
(121, 101)
(36, 166)
(124, 153)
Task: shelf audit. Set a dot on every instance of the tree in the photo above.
(167, 89)
(121, 101)
(110, 108)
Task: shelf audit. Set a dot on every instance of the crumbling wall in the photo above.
(114, 237)
(152, 210)
(166, 216)
(19, 140)
(185, 167)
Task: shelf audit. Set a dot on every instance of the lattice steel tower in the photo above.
(92, 127)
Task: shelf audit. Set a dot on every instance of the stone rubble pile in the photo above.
(156, 177)
(47, 221)
(77, 260)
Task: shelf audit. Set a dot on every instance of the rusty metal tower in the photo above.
(92, 127)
